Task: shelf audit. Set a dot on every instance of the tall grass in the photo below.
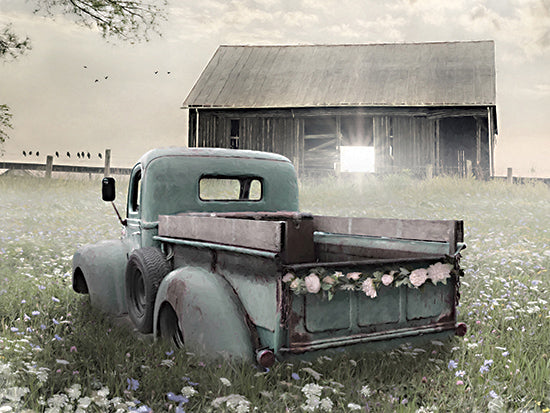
(59, 354)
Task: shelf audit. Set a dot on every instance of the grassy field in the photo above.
(57, 354)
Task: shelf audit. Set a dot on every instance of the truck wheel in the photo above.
(145, 270)
(169, 327)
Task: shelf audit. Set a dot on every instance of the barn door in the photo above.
(457, 144)
(320, 145)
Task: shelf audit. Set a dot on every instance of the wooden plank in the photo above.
(262, 235)
(423, 230)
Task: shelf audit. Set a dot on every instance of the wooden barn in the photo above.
(353, 108)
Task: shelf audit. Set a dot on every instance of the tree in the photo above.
(131, 20)
(125, 19)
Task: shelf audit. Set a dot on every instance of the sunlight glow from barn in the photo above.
(357, 158)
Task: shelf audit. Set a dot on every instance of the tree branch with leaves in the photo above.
(125, 19)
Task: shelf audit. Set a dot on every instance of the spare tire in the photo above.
(145, 270)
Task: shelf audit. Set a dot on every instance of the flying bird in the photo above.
(156, 72)
(88, 155)
(168, 72)
(37, 153)
(57, 154)
(99, 155)
(97, 80)
(78, 155)
(68, 155)
(82, 155)
(24, 153)
(85, 67)
(106, 77)
(30, 152)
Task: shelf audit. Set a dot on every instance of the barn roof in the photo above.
(400, 74)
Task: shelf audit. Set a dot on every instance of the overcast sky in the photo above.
(58, 105)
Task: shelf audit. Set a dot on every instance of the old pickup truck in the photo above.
(216, 256)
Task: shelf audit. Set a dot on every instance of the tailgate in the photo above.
(346, 315)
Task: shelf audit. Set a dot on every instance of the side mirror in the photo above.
(108, 191)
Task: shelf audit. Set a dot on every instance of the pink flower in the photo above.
(439, 272)
(368, 288)
(288, 277)
(418, 277)
(73, 348)
(354, 276)
(328, 280)
(313, 284)
(459, 382)
(387, 279)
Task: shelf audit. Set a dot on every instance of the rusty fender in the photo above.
(210, 315)
(103, 266)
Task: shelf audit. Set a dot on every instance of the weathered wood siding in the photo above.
(443, 140)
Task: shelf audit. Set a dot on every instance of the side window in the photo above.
(134, 198)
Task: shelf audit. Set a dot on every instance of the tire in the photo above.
(169, 327)
(145, 270)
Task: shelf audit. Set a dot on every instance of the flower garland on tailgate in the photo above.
(321, 280)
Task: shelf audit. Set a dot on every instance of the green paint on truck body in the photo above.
(223, 293)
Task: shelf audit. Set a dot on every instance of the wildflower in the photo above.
(418, 277)
(295, 285)
(176, 398)
(460, 373)
(188, 391)
(61, 361)
(74, 391)
(73, 348)
(312, 389)
(326, 405)
(439, 272)
(133, 384)
(55, 299)
(387, 279)
(459, 382)
(353, 276)
(35, 312)
(56, 337)
(366, 391)
(329, 280)
(225, 381)
(169, 353)
(55, 321)
(353, 406)
(493, 394)
(14, 329)
(452, 365)
(368, 288)
(316, 375)
(295, 376)
(313, 284)
(288, 277)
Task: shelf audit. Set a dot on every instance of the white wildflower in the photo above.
(312, 389)
(368, 288)
(352, 407)
(225, 382)
(74, 391)
(313, 284)
(326, 405)
(418, 277)
(188, 391)
(366, 391)
(58, 401)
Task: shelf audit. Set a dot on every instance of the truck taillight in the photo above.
(461, 329)
(265, 358)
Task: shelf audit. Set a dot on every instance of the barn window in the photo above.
(357, 144)
(357, 158)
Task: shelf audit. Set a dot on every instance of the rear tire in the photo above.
(145, 270)
(169, 326)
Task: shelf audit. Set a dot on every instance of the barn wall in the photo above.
(404, 139)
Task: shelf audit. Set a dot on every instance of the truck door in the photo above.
(133, 208)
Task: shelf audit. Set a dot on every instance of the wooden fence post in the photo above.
(468, 168)
(509, 176)
(429, 171)
(49, 166)
(107, 170)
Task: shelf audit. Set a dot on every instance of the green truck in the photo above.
(216, 256)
